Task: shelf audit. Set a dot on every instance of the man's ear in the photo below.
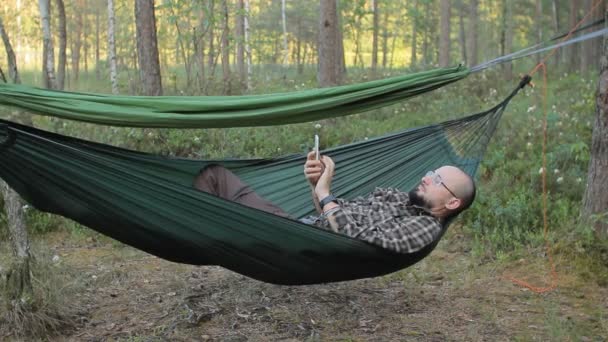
(453, 203)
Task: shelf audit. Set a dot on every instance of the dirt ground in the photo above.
(127, 295)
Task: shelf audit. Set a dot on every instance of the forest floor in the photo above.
(127, 295)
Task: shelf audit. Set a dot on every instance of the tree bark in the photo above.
(595, 204)
(375, 24)
(556, 28)
(63, 41)
(97, 44)
(426, 35)
(284, 23)
(147, 48)
(507, 37)
(226, 49)
(247, 46)
(414, 45)
(13, 72)
(240, 44)
(18, 280)
(444, 38)
(48, 65)
(462, 34)
(573, 62)
(385, 35)
(77, 40)
(539, 27)
(211, 52)
(329, 59)
(112, 47)
(472, 55)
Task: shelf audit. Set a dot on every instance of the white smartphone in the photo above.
(316, 147)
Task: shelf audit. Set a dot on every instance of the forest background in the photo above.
(224, 47)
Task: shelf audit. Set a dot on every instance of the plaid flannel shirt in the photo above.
(387, 219)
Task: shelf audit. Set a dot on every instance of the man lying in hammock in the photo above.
(398, 221)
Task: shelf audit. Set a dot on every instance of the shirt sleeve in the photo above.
(402, 235)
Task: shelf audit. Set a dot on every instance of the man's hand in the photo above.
(313, 169)
(323, 186)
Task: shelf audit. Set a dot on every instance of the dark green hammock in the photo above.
(227, 111)
(148, 201)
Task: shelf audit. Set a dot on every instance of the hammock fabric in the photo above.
(226, 111)
(148, 201)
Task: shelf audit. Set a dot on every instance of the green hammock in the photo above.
(148, 201)
(226, 111)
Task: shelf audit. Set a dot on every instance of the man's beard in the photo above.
(416, 199)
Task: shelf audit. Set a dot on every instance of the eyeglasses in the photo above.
(436, 179)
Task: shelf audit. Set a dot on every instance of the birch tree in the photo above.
(246, 43)
(285, 46)
(112, 47)
(48, 58)
(63, 41)
(225, 49)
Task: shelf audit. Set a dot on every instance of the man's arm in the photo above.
(313, 170)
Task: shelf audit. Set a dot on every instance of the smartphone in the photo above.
(316, 147)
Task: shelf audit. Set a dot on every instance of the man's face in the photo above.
(435, 188)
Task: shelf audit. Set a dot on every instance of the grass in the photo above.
(503, 227)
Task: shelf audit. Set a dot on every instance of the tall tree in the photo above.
(472, 55)
(18, 278)
(413, 14)
(444, 37)
(375, 24)
(48, 55)
(77, 38)
(226, 48)
(63, 41)
(556, 28)
(595, 202)
(539, 27)
(247, 46)
(461, 31)
(506, 39)
(112, 47)
(240, 43)
(573, 58)
(284, 22)
(329, 57)
(147, 48)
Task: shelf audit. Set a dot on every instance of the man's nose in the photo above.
(425, 180)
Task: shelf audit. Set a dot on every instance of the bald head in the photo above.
(461, 184)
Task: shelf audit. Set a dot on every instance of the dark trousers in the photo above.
(221, 182)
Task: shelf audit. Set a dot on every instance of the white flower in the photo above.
(318, 126)
(559, 124)
(25, 207)
(366, 138)
(560, 180)
(55, 258)
(556, 171)
(529, 145)
(278, 149)
(197, 139)
(541, 170)
(579, 179)
(94, 277)
(530, 109)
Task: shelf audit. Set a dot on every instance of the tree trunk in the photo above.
(284, 22)
(573, 62)
(507, 37)
(147, 48)
(472, 55)
(13, 72)
(539, 27)
(77, 40)
(18, 280)
(48, 65)
(375, 24)
(426, 35)
(112, 47)
(556, 28)
(462, 34)
(240, 41)
(247, 46)
(414, 18)
(329, 71)
(385, 40)
(211, 52)
(97, 44)
(226, 50)
(595, 204)
(587, 62)
(62, 45)
(444, 38)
